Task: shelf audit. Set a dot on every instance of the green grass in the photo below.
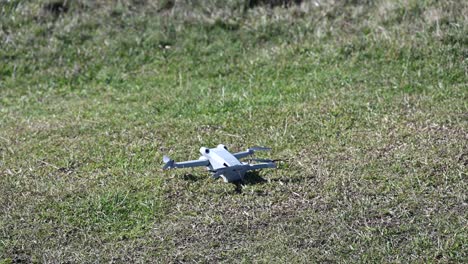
(365, 103)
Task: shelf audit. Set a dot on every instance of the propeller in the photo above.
(262, 160)
(257, 148)
(169, 163)
(267, 160)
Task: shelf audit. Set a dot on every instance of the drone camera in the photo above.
(204, 150)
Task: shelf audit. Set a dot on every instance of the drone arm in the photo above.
(243, 154)
(170, 164)
(191, 163)
(249, 151)
(262, 166)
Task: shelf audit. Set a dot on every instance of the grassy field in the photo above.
(365, 102)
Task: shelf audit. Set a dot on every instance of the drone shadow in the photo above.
(250, 178)
(191, 177)
(253, 177)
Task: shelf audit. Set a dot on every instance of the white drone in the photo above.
(223, 163)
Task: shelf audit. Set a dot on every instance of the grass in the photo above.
(366, 103)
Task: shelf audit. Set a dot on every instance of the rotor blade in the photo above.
(169, 163)
(257, 148)
(262, 160)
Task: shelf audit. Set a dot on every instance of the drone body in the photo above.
(223, 163)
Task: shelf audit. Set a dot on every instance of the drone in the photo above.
(224, 164)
